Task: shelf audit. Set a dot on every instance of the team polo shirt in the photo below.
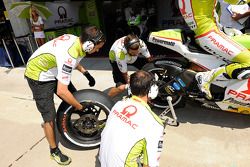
(55, 59)
(132, 130)
(119, 54)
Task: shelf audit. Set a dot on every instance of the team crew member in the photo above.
(124, 51)
(199, 15)
(133, 135)
(49, 71)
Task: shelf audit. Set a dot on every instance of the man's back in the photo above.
(132, 131)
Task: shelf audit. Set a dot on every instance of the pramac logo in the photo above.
(182, 7)
(126, 114)
(63, 17)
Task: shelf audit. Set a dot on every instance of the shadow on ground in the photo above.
(191, 113)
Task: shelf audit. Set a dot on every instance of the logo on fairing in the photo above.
(248, 88)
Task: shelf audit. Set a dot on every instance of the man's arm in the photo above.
(80, 68)
(237, 16)
(86, 74)
(126, 77)
(66, 95)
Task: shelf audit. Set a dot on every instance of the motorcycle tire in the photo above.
(161, 100)
(83, 128)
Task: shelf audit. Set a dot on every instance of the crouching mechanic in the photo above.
(199, 15)
(124, 51)
(133, 135)
(49, 71)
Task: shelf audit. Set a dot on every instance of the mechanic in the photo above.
(49, 71)
(127, 50)
(133, 135)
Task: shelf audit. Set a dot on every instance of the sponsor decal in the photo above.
(126, 114)
(183, 7)
(163, 42)
(238, 95)
(61, 38)
(169, 89)
(232, 100)
(220, 46)
(63, 18)
(119, 64)
(65, 77)
(64, 123)
(66, 69)
(160, 144)
(248, 88)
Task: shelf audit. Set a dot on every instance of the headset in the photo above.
(91, 41)
(131, 43)
(152, 91)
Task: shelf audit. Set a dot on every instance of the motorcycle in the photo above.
(175, 76)
(83, 128)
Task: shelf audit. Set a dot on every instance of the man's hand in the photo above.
(90, 78)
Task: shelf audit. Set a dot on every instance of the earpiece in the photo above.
(153, 91)
(132, 42)
(88, 46)
(91, 41)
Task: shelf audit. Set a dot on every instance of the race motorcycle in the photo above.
(83, 128)
(175, 75)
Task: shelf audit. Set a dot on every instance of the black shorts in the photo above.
(43, 94)
(117, 74)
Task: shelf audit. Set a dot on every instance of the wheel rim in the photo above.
(84, 128)
(161, 76)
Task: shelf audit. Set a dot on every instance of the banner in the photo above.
(64, 14)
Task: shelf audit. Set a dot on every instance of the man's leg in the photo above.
(49, 132)
(218, 43)
(43, 93)
(118, 79)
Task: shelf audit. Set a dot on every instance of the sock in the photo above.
(53, 150)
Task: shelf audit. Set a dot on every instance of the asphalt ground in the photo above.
(205, 138)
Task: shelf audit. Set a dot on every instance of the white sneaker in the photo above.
(203, 84)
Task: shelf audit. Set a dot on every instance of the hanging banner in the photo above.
(64, 14)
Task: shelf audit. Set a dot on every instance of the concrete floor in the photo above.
(205, 138)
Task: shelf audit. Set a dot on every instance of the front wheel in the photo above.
(83, 128)
(162, 76)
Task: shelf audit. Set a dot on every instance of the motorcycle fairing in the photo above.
(172, 39)
(237, 97)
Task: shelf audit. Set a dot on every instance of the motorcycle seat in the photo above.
(188, 36)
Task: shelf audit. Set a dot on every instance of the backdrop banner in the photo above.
(64, 14)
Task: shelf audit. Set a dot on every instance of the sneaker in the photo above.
(203, 85)
(60, 158)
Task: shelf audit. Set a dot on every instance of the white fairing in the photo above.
(237, 94)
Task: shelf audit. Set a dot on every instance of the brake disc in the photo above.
(87, 124)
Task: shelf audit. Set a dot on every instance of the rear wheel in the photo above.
(83, 128)
(162, 77)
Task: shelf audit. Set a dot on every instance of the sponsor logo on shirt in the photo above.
(160, 144)
(66, 69)
(126, 115)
